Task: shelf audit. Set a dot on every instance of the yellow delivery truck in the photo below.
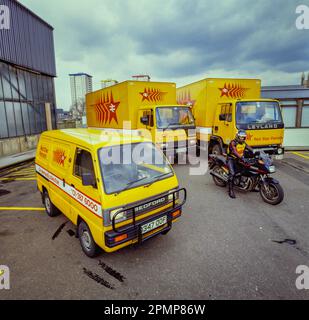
(108, 185)
(222, 106)
(144, 108)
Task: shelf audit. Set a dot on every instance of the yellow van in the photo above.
(117, 189)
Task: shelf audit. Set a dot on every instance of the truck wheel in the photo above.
(87, 243)
(216, 149)
(51, 210)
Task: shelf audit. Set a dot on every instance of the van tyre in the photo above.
(50, 208)
(87, 243)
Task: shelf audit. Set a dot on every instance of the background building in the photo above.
(81, 84)
(27, 71)
(294, 100)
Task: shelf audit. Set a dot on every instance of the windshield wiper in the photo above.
(155, 178)
(129, 184)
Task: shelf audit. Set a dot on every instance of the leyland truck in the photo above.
(223, 106)
(143, 106)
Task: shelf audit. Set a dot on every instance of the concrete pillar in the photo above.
(49, 122)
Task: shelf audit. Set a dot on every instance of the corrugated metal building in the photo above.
(27, 71)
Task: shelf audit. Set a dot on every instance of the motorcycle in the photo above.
(252, 173)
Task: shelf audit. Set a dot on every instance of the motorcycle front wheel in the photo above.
(274, 195)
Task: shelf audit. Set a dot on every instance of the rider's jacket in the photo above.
(236, 149)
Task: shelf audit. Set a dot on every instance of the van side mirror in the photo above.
(145, 120)
(88, 179)
(222, 117)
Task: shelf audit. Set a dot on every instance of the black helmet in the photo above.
(241, 135)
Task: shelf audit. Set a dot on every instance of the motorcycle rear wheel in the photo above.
(275, 194)
(219, 182)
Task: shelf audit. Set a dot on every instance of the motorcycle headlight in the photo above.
(121, 216)
(279, 151)
(272, 169)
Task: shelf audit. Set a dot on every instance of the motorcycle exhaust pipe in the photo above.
(218, 176)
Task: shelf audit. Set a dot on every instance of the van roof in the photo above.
(93, 137)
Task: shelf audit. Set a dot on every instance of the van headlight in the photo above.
(170, 196)
(119, 217)
(192, 141)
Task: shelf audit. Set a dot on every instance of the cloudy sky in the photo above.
(175, 40)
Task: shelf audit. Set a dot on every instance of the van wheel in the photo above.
(51, 210)
(87, 243)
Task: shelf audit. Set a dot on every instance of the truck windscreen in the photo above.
(174, 117)
(255, 114)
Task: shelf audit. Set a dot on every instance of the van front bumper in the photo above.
(134, 232)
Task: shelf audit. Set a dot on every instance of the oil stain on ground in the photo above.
(4, 192)
(71, 233)
(98, 279)
(56, 234)
(112, 272)
(288, 241)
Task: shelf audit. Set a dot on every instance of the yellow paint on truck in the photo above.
(116, 201)
(221, 106)
(146, 108)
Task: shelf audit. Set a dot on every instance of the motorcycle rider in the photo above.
(235, 154)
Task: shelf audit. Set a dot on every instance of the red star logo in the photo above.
(185, 98)
(224, 91)
(151, 94)
(145, 95)
(106, 109)
(59, 156)
(249, 136)
(233, 90)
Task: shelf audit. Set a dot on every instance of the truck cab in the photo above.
(171, 126)
(261, 118)
(221, 106)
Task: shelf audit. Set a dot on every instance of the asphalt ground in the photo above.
(220, 248)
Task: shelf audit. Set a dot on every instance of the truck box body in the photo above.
(146, 108)
(205, 94)
(109, 107)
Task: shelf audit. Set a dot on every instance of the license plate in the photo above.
(180, 150)
(279, 156)
(153, 224)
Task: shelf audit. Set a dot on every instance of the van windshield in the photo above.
(250, 113)
(132, 165)
(169, 117)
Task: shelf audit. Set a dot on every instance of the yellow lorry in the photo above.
(221, 106)
(114, 203)
(144, 108)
